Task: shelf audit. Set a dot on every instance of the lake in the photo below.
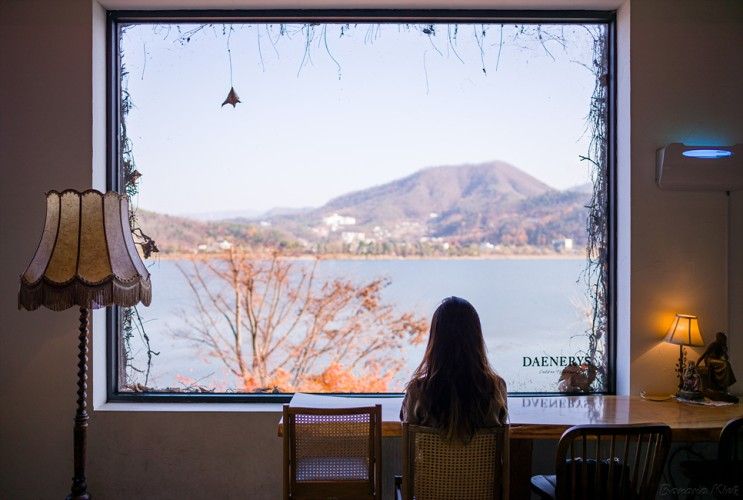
(529, 309)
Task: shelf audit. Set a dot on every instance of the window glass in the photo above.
(315, 191)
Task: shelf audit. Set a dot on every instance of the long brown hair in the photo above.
(454, 387)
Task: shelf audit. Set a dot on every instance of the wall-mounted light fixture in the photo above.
(700, 168)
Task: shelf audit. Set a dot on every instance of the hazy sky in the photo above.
(404, 101)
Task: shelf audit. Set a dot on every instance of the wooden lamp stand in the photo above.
(79, 489)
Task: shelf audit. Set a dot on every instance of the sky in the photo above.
(347, 112)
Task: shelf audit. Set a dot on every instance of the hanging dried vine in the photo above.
(131, 321)
(313, 36)
(596, 272)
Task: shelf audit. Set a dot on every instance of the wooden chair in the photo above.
(723, 475)
(608, 462)
(730, 450)
(437, 469)
(332, 452)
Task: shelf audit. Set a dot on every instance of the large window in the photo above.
(307, 189)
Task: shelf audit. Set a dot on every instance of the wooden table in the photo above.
(542, 417)
(547, 417)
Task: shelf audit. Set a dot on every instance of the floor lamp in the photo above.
(86, 258)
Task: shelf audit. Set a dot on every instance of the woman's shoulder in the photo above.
(500, 384)
(500, 400)
(415, 382)
(410, 401)
(414, 388)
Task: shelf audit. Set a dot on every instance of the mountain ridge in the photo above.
(492, 204)
(438, 189)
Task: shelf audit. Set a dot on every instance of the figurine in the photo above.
(576, 378)
(691, 383)
(717, 374)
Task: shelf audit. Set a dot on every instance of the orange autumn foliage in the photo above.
(278, 328)
(336, 378)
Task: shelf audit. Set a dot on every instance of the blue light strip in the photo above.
(707, 154)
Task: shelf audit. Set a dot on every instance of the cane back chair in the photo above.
(332, 452)
(435, 468)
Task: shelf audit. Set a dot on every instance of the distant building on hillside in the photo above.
(336, 221)
(321, 231)
(213, 246)
(563, 244)
(349, 237)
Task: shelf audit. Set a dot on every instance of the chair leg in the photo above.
(398, 487)
(286, 452)
(542, 487)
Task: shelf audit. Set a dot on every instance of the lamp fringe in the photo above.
(77, 293)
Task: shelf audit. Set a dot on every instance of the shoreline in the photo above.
(224, 255)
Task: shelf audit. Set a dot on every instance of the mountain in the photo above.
(437, 190)
(444, 207)
(586, 188)
(173, 233)
(246, 215)
(183, 234)
(490, 202)
(229, 214)
(281, 211)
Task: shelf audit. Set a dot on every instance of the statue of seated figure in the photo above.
(717, 373)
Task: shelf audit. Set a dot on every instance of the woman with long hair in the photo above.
(454, 389)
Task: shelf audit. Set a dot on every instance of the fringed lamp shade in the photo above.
(86, 256)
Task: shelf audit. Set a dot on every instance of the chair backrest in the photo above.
(731, 441)
(611, 461)
(730, 452)
(435, 468)
(332, 452)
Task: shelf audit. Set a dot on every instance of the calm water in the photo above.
(528, 308)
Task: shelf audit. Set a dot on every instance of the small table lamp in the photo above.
(684, 331)
(86, 258)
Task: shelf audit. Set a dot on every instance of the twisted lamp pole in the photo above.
(86, 258)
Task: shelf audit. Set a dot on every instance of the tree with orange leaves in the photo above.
(277, 327)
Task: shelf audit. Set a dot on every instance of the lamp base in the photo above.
(84, 496)
(689, 395)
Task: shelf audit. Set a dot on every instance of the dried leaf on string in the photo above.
(232, 98)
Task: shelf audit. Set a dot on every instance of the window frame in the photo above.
(114, 180)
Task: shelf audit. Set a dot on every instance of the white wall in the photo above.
(48, 130)
(624, 201)
(45, 143)
(686, 84)
(735, 284)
